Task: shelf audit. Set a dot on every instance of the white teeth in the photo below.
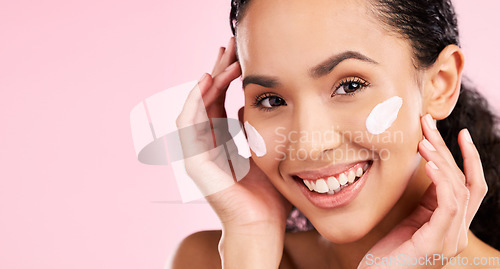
(333, 184)
(321, 186)
(351, 176)
(308, 184)
(342, 179)
(359, 172)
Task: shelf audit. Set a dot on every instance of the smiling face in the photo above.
(313, 72)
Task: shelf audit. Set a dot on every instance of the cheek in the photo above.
(255, 140)
(391, 131)
(397, 145)
(383, 115)
(266, 142)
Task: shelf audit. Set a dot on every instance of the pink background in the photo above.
(72, 193)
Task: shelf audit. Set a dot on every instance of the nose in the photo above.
(314, 129)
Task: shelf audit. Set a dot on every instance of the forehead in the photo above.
(278, 34)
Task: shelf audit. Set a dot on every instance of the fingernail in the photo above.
(428, 145)
(468, 138)
(433, 165)
(430, 122)
(203, 77)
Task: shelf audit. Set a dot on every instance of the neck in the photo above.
(349, 255)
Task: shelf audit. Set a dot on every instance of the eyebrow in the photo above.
(318, 71)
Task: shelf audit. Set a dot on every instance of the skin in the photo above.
(285, 46)
(414, 208)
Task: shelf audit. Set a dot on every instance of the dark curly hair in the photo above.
(430, 26)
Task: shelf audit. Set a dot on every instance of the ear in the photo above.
(442, 83)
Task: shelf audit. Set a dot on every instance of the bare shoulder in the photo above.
(198, 250)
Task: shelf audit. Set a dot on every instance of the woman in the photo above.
(379, 181)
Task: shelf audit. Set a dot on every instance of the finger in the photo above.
(432, 134)
(227, 58)
(207, 165)
(434, 232)
(192, 111)
(214, 97)
(455, 179)
(222, 81)
(448, 220)
(193, 123)
(429, 152)
(219, 57)
(474, 174)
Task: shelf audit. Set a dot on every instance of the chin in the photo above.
(343, 232)
(354, 220)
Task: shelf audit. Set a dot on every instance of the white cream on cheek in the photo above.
(255, 140)
(383, 115)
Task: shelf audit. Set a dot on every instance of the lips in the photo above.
(333, 186)
(335, 183)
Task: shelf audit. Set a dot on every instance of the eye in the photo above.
(268, 101)
(350, 86)
(272, 101)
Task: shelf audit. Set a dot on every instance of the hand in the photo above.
(250, 205)
(440, 223)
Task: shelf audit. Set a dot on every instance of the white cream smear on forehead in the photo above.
(383, 115)
(255, 140)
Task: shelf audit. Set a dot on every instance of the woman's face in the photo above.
(313, 71)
